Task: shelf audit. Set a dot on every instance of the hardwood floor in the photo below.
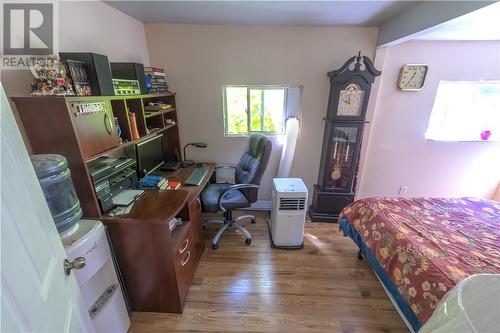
(320, 288)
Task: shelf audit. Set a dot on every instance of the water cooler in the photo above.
(99, 285)
(96, 276)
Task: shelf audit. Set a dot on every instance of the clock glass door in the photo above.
(341, 166)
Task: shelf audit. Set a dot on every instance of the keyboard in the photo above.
(196, 177)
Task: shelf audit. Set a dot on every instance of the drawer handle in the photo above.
(184, 262)
(199, 204)
(185, 246)
(107, 122)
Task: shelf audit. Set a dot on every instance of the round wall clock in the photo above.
(412, 77)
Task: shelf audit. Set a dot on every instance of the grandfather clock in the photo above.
(350, 87)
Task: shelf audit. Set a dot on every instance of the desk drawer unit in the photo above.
(185, 258)
(196, 224)
(158, 264)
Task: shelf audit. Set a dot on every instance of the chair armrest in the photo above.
(233, 188)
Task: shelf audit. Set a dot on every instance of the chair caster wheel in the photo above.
(248, 241)
(215, 246)
(253, 221)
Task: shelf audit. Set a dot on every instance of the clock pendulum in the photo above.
(337, 167)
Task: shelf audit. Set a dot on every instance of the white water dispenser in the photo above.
(100, 288)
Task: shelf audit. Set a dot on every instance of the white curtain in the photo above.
(292, 132)
(292, 128)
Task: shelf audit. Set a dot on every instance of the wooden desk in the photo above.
(157, 265)
(182, 174)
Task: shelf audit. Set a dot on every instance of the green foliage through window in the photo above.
(266, 107)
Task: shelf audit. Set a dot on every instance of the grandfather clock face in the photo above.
(351, 100)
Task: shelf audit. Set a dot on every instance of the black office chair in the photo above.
(247, 176)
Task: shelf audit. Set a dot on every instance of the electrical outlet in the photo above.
(402, 190)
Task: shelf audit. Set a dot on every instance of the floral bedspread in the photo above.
(427, 245)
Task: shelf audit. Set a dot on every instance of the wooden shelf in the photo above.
(163, 129)
(156, 95)
(167, 127)
(92, 98)
(146, 96)
(157, 113)
(129, 143)
(123, 145)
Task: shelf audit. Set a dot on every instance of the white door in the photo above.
(36, 295)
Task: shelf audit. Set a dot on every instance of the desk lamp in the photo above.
(185, 162)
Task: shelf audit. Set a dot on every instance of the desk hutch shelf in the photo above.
(58, 125)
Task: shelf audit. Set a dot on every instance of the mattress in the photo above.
(422, 247)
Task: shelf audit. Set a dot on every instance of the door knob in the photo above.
(78, 263)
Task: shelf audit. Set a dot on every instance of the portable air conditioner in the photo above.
(288, 214)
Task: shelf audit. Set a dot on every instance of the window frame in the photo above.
(249, 124)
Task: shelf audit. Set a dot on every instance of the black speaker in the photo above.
(130, 71)
(98, 71)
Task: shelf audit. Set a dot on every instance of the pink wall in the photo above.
(396, 152)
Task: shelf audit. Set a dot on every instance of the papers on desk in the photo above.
(125, 201)
(125, 198)
(121, 210)
(174, 223)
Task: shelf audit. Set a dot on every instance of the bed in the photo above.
(420, 248)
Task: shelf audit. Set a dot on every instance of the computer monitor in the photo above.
(149, 155)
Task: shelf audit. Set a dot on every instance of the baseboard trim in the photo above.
(261, 205)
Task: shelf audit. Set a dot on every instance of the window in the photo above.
(267, 105)
(465, 111)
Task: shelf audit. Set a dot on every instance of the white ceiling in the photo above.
(301, 13)
(482, 24)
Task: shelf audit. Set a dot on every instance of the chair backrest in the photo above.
(253, 163)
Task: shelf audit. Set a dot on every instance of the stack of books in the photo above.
(158, 79)
(153, 182)
(173, 185)
(155, 107)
